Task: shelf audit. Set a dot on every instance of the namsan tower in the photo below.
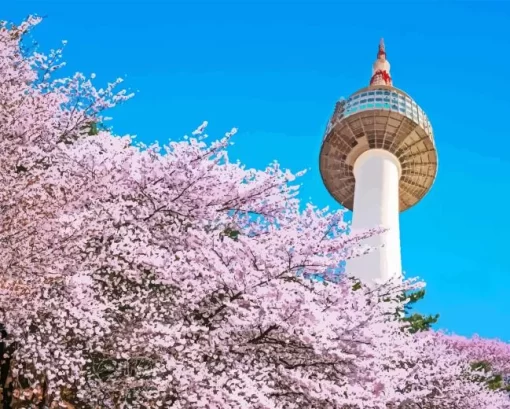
(378, 158)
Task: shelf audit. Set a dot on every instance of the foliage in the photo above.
(485, 373)
(416, 322)
(490, 360)
(171, 277)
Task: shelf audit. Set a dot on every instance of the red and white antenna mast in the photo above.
(381, 68)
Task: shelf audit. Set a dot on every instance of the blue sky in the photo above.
(275, 70)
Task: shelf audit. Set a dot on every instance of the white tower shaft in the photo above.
(376, 204)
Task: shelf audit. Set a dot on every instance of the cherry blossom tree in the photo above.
(169, 276)
(490, 358)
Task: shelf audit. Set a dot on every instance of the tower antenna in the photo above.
(381, 68)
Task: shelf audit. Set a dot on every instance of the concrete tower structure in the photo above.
(378, 158)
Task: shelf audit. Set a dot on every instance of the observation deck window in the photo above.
(382, 99)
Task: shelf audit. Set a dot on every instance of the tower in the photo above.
(378, 158)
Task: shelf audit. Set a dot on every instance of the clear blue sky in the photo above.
(275, 69)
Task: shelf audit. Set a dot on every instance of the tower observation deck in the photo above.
(378, 158)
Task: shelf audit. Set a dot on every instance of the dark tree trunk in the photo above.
(5, 363)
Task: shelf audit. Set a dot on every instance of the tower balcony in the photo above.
(379, 117)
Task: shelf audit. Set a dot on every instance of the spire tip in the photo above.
(381, 67)
(382, 49)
